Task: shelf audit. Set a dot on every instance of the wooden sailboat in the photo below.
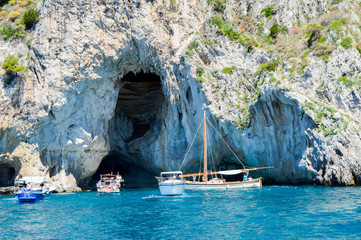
(200, 180)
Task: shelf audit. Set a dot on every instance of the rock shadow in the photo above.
(7, 175)
(134, 176)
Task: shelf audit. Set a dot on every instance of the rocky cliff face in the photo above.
(124, 84)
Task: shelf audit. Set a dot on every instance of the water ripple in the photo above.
(270, 212)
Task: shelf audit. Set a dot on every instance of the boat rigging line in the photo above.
(225, 142)
(205, 119)
(219, 136)
(190, 146)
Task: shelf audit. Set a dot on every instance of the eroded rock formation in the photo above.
(111, 81)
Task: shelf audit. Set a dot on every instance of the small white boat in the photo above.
(171, 183)
(110, 183)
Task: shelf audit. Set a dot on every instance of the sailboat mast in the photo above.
(205, 148)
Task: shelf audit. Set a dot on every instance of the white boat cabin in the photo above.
(176, 175)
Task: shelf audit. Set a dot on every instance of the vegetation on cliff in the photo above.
(289, 47)
(290, 70)
(16, 20)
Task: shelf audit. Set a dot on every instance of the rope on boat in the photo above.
(190, 146)
(225, 142)
(219, 136)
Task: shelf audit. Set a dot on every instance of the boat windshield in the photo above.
(108, 179)
(171, 175)
(34, 182)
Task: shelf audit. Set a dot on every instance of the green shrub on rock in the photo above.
(199, 79)
(224, 28)
(214, 72)
(228, 70)
(7, 31)
(30, 18)
(345, 81)
(273, 79)
(313, 33)
(199, 73)
(173, 5)
(208, 42)
(219, 5)
(11, 68)
(346, 43)
(11, 65)
(269, 10)
(192, 46)
(269, 66)
(248, 41)
(335, 25)
(275, 30)
(13, 15)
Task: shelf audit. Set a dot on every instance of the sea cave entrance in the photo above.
(137, 120)
(134, 175)
(7, 175)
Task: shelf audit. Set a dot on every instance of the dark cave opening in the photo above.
(140, 98)
(133, 175)
(7, 175)
(53, 171)
(137, 118)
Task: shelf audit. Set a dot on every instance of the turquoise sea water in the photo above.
(272, 212)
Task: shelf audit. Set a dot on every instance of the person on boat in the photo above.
(28, 186)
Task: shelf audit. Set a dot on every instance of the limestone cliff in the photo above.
(125, 84)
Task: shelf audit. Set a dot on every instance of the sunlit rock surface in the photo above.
(112, 80)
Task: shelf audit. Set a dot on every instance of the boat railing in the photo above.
(108, 184)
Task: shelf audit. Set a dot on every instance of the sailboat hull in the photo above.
(254, 183)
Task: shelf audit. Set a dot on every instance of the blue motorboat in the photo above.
(26, 195)
(32, 189)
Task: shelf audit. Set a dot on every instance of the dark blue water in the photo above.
(274, 212)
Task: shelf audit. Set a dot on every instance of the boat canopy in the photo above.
(108, 175)
(31, 180)
(231, 172)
